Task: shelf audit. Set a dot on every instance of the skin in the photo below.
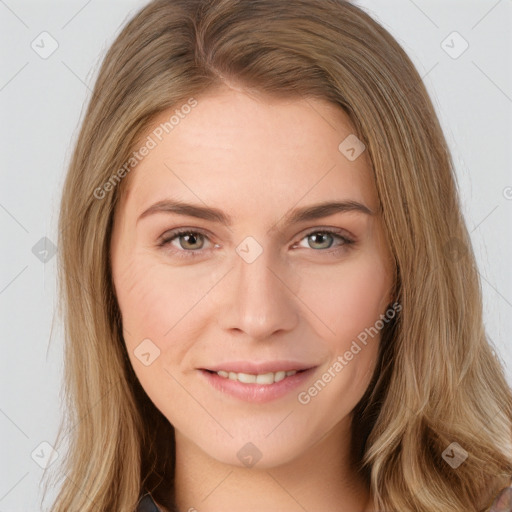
(256, 158)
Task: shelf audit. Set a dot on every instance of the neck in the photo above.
(322, 478)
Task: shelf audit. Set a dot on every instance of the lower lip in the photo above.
(259, 393)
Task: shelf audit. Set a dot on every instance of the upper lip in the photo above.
(258, 368)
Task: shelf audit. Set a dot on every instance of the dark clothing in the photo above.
(146, 504)
(502, 503)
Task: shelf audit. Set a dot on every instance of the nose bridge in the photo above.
(261, 302)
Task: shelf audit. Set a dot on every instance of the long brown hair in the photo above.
(437, 381)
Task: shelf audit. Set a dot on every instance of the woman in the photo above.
(253, 369)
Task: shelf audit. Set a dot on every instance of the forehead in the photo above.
(233, 150)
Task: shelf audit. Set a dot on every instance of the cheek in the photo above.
(143, 311)
(140, 299)
(353, 299)
(161, 304)
(348, 299)
(154, 308)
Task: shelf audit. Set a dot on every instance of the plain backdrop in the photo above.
(42, 99)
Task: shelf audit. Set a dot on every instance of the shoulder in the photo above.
(146, 504)
(503, 501)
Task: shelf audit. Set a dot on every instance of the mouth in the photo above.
(257, 386)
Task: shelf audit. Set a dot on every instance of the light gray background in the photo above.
(42, 102)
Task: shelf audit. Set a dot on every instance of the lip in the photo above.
(257, 393)
(258, 368)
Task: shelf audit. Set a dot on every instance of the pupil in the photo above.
(190, 239)
(317, 237)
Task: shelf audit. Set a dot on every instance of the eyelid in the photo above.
(342, 233)
(174, 233)
(169, 236)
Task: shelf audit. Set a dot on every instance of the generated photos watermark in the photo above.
(151, 142)
(305, 397)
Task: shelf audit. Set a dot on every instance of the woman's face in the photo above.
(255, 287)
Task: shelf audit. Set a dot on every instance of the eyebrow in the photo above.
(312, 212)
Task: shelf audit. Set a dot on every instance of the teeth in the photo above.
(247, 378)
(265, 378)
(262, 378)
(279, 376)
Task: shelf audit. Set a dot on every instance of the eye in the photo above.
(323, 239)
(189, 242)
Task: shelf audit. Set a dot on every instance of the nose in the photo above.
(259, 300)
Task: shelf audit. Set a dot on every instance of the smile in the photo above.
(262, 378)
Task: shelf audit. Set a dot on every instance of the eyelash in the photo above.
(172, 235)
